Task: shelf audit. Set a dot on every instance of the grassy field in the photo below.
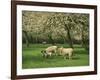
(32, 57)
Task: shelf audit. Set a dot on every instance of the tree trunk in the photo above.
(26, 38)
(50, 38)
(64, 39)
(36, 40)
(85, 42)
(69, 36)
(82, 35)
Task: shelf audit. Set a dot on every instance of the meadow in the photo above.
(32, 57)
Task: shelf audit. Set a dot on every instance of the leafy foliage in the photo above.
(55, 27)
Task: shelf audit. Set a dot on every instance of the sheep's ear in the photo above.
(43, 51)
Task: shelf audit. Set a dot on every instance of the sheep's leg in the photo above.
(47, 56)
(60, 52)
(50, 54)
(55, 52)
(70, 55)
(44, 55)
(65, 56)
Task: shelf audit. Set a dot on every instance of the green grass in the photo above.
(32, 58)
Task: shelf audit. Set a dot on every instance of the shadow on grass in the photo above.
(32, 58)
(40, 58)
(75, 58)
(81, 52)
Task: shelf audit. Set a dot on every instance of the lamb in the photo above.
(66, 51)
(49, 51)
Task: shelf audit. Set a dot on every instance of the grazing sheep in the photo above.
(49, 51)
(66, 51)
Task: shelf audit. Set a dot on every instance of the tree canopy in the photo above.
(55, 27)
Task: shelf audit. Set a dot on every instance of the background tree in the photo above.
(54, 27)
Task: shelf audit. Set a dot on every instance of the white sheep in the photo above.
(66, 51)
(49, 51)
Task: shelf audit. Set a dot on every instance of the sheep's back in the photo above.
(67, 50)
(51, 48)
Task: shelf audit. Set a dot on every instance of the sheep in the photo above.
(66, 51)
(49, 51)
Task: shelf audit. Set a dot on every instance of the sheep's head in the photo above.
(59, 50)
(43, 51)
(44, 54)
